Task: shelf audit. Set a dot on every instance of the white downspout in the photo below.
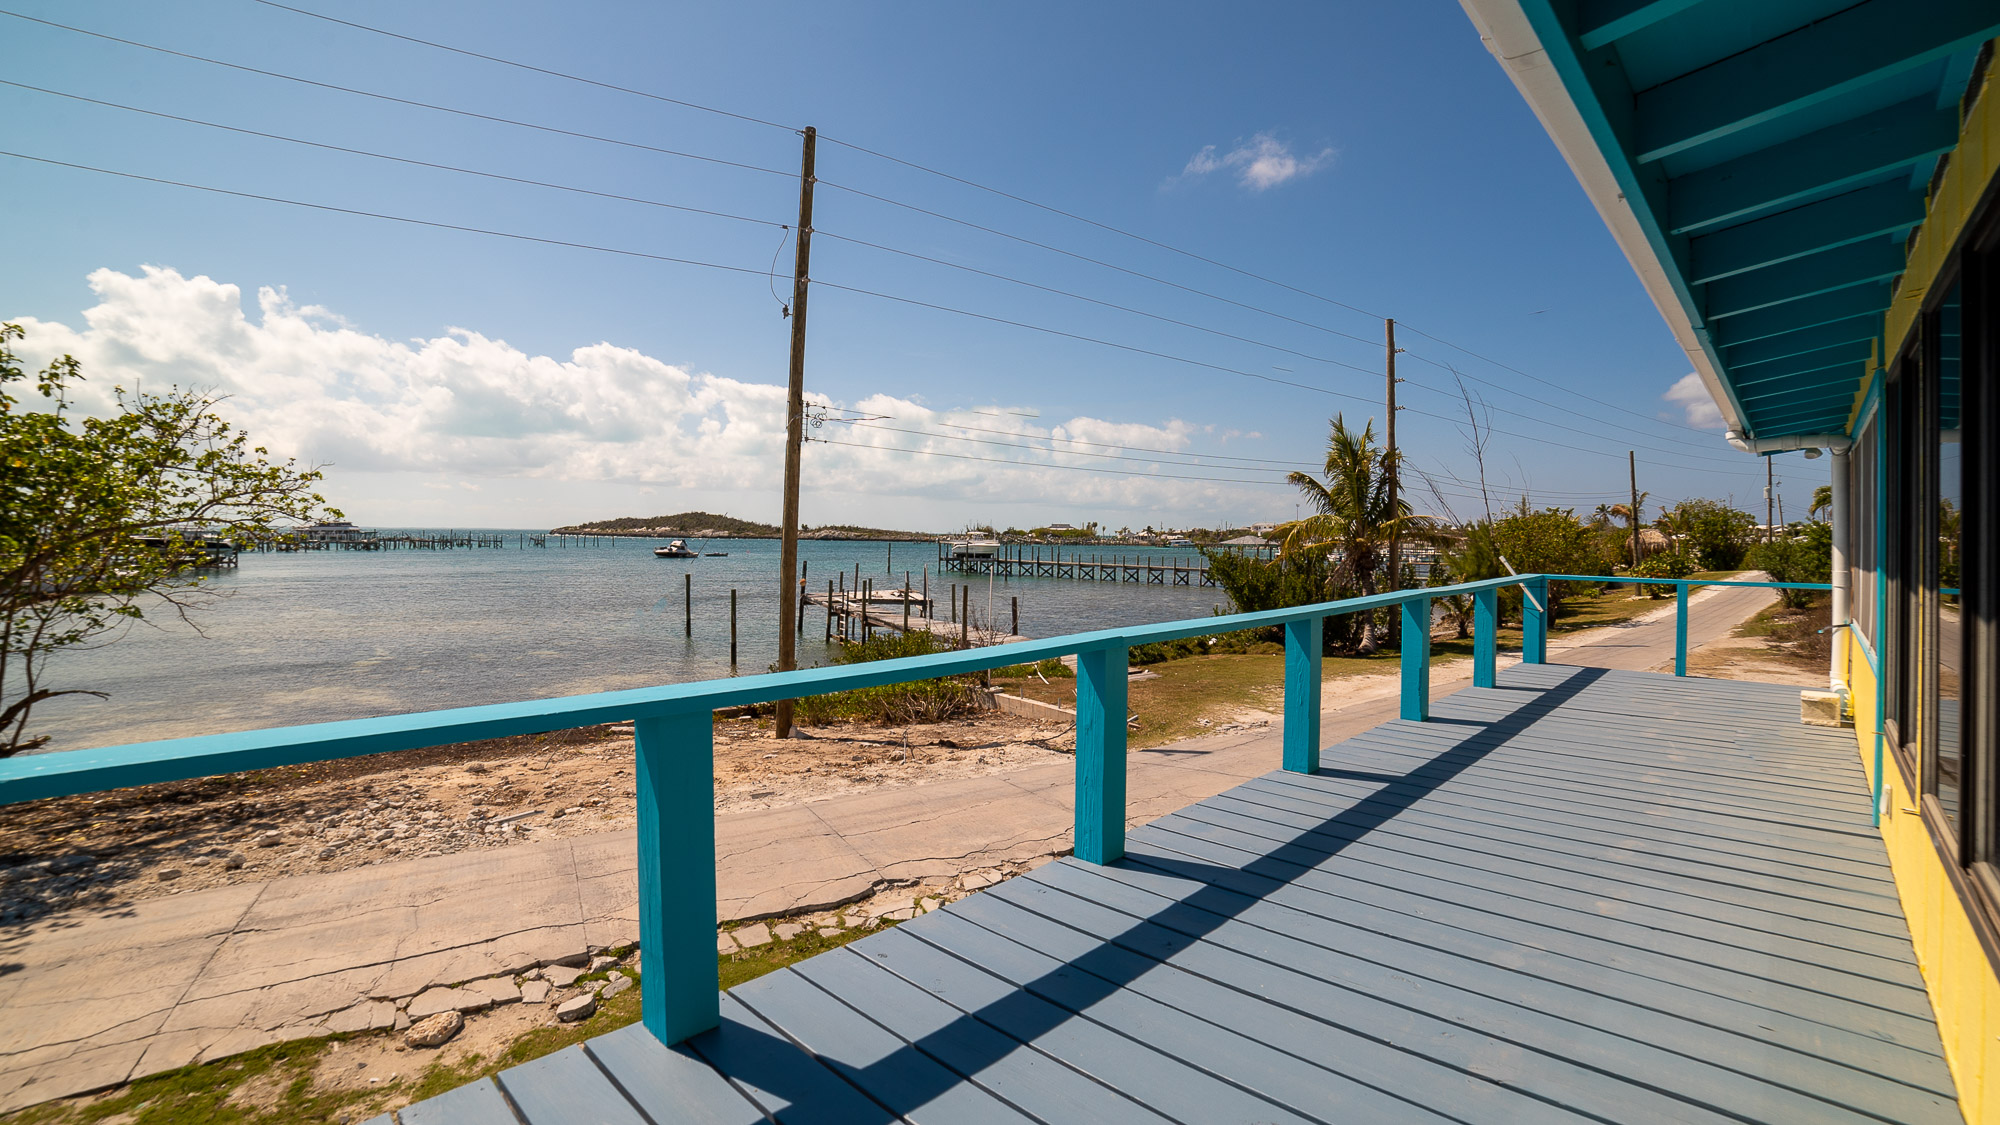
(1842, 528)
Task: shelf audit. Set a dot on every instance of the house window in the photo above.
(1864, 558)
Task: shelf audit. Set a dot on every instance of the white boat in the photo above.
(975, 549)
(677, 549)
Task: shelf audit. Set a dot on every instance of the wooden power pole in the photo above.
(1389, 471)
(1768, 482)
(1632, 465)
(795, 422)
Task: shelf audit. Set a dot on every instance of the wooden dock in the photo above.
(853, 615)
(1580, 896)
(1050, 562)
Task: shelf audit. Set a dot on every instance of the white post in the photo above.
(1842, 528)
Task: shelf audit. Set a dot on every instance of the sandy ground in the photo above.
(1795, 652)
(131, 844)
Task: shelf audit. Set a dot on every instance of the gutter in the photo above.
(1836, 444)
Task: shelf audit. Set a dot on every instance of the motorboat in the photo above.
(676, 549)
(975, 549)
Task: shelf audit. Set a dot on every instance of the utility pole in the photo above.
(1632, 464)
(795, 421)
(1768, 481)
(1395, 538)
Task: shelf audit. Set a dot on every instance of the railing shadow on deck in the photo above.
(915, 1070)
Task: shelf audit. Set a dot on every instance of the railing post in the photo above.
(1535, 621)
(1681, 628)
(1417, 659)
(1100, 754)
(674, 760)
(1302, 693)
(1485, 637)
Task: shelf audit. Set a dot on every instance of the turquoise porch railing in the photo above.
(674, 748)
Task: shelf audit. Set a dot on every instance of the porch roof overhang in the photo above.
(1761, 165)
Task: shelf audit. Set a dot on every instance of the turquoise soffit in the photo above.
(1762, 163)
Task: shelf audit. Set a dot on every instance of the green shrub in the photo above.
(1806, 558)
(919, 701)
(1663, 564)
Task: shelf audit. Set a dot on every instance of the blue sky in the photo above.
(1370, 154)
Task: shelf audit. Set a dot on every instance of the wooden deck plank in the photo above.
(1865, 979)
(1551, 818)
(891, 1072)
(1383, 933)
(567, 1088)
(1122, 1038)
(479, 1103)
(1722, 1059)
(1690, 869)
(1579, 895)
(1847, 918)
(975, 1050)
(1580, 1067)
(670, 1083)
(792, 1086)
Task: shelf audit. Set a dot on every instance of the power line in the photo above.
(1133, 348)
(396, 159)
(1096, 301)
(403, 101)
(773, 171)
(1040, 465)
(387, 217)
(530, 67)
(684, 103)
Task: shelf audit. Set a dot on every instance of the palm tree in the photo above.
(1822, 500)
(1353, 517)
(1630, 513)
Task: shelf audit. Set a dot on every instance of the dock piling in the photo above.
(732, 628)
(829, 609)
(1016, 628)
(687, 600)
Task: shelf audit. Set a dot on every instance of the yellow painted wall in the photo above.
(1964, 989)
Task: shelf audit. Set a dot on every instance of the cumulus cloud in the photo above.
(1261, 163)
(462, 407)
(1691, 394)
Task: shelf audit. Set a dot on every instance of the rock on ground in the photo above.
(576, 1008)
(435, 1031)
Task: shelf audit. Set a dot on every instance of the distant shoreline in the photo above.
(816, 535)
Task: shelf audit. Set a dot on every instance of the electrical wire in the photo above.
(398, 159)
(684, 103)
(1041, 465)
(528, 66)
(403, 101)
(390, 218)
(847, 144)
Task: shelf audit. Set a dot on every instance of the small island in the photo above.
(709, 525)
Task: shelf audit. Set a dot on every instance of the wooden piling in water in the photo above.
(829, 609)
(732, 628)
(906, 601)
(687, 600)
(1016, 629)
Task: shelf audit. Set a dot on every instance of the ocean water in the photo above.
(322, 635)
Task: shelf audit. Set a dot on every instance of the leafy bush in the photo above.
(920, 701)
(1662, 564)
(1255, 584)
(1551, 541)
(1805, 558)
(1714, 534)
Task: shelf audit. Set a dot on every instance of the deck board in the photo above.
(1580, 895)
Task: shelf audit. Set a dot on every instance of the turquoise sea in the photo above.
(315, 636)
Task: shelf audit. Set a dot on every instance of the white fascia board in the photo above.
(1505, 30)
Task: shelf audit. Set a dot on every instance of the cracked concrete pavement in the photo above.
(97, 997)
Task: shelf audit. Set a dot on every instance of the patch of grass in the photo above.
(201, 1094)
(749, 964)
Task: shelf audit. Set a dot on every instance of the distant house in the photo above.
(1057, 527)
(1263, 529)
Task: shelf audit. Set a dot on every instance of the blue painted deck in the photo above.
(1580, 895)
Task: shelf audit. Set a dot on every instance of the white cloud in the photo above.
(1690, 393)
(1261, 163)
(395, 418)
